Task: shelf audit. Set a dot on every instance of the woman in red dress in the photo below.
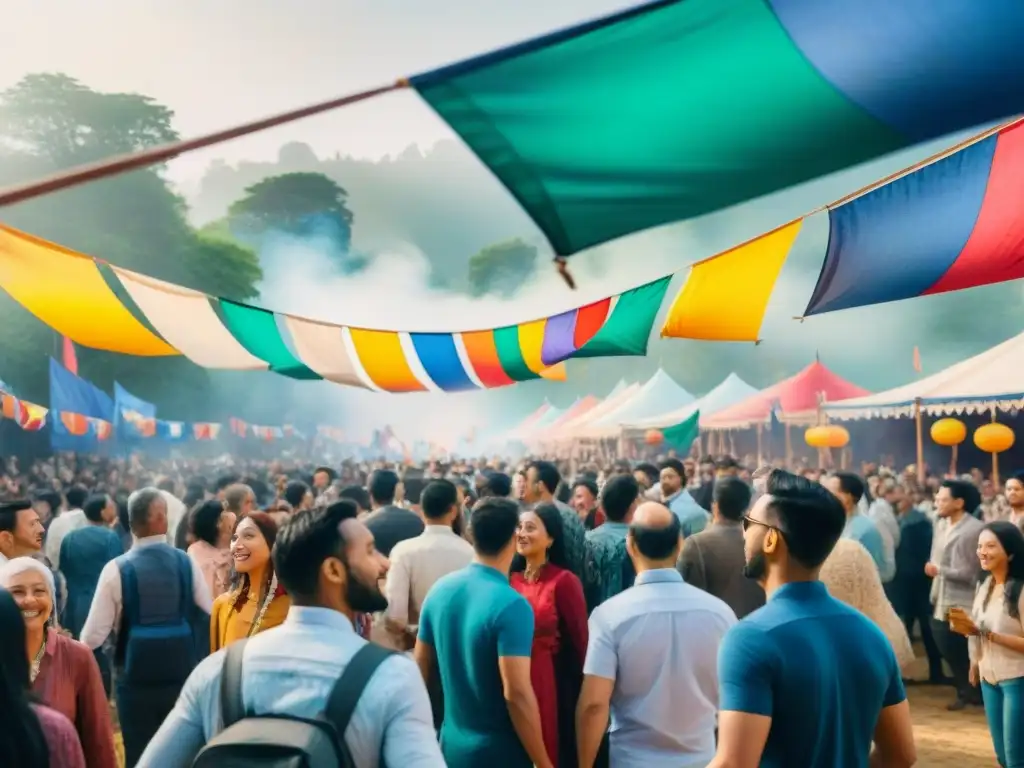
(539, 574)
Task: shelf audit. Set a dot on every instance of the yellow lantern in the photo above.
(948, 432)
(994, 438)
(830, 436)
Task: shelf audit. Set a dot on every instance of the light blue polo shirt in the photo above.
(819, 669)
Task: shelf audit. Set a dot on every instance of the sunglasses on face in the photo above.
(749, 521)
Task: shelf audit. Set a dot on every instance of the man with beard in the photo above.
(806, 680)
(326, 560)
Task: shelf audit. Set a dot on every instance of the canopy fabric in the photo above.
(546, 420)
(527, 423)
(658, 393)
(993, 378)
(573, 428)
(954, 224)
(582, 406)
(677, 108)
(790, 400)
(729, 392)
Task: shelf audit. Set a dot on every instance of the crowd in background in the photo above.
(683, 611)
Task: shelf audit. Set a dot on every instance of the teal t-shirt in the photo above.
(471, 618)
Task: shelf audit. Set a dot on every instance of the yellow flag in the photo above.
(725, 297)
(66, 291)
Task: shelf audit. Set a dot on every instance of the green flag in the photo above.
(681, 436)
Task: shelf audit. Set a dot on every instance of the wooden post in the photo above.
(952, 461)
(789, 448)
(920, 441)
(995, 457)
(760, 453)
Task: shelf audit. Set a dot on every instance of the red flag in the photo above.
(917, 360)
(70, 358)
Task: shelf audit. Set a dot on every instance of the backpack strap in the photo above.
(346, 692)
(232, 708)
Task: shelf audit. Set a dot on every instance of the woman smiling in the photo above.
(63, 672)
(256, 602)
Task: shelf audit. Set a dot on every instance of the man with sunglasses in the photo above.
(806, 680)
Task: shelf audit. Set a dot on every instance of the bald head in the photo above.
(239, 498)
(654, 537)
(653, 514)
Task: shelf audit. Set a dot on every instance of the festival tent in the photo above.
(549, 417)
(660, 392)
(794, 400)
(993, 378)
(582, 406)
(526, 424)
(576, 427)
(729, 392)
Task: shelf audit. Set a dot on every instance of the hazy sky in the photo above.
(218, 62)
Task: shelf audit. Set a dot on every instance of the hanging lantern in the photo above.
(948, 432)
(994, 438)
(654, 437)
(828, 436)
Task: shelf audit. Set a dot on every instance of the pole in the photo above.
(920, 440)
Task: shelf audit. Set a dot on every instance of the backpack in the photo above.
(283, 741)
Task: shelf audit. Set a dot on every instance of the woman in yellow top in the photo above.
(256, 602)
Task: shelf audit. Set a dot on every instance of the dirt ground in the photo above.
(947, 739)
(944, 739)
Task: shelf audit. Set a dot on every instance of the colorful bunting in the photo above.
(65, 290)
(957, 223)
(690, 106)
(29, 416)
(219, 333)
(725, 297)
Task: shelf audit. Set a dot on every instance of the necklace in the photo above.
(271, 590)
(531, 573)
(37, 662)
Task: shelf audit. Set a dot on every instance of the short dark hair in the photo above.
(295, 492)
(383, 483)
(205, 518)
(139, 505)
(497, 484)
(656, 543)
(166, 484)
(493, 522)
(305, 541)
(809, 517)
(966, 492)
(94, 506)
(9, 514)
(851, 484)
(414, 489)
(224, 481)
(675, 465)
(331, 474)
(547, 474)
(590, 485)
(76, 496)
(438, 498)
(648, 469)
(732, 496)
(618, 495)
(357, 494)
(52, 498)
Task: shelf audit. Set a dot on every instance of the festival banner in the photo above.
(74, 401)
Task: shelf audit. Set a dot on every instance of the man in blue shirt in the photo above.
(806, 680)
(479, 632)
(692, 517)
(849, 489)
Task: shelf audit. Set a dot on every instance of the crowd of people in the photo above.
(684, 612)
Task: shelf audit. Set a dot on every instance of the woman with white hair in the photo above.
(63, 672)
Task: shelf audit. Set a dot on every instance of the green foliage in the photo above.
(49, 122)
(297, 203)
(501, 268)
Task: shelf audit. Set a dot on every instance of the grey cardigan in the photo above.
(957, 558)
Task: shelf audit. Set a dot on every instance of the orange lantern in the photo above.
(994, 438)
(948, 432)
(827, 436)
(654, 437)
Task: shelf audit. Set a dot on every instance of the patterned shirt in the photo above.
(607, 558)
(996, 508)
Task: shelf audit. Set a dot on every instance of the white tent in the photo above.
(660, 393)
(577, 427)
(729, 392)
(993, 378)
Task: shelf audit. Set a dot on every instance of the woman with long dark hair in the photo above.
(32, 736)
(540, 573)
(213, 526)
(996, 637)
(256, 601)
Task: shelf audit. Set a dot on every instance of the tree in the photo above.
(501, 268)
(50, 122)
(55, 116)
(301, 204)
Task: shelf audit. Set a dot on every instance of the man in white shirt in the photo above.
(417, 564)
(67, 521)
(652, 659)
(21, 532)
